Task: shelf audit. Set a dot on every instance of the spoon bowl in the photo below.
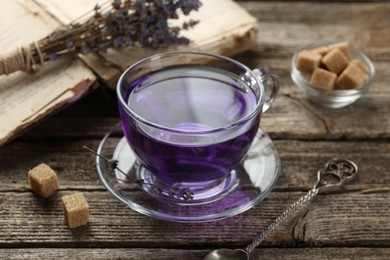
(227, 254)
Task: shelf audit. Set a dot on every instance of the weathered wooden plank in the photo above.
(290, 117)
(169, 254)
(350, 225)
(313, 1)
(284, 28)
(347, 219)
(291, 23)
(300, 162)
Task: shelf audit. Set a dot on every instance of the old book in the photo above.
(224, 28)
(26, 99)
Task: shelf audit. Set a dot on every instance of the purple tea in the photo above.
(180, 112)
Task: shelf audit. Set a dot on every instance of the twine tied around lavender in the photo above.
(114, 24)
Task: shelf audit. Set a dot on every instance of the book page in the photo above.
(224, 28)
(66, 11)
(26, 98)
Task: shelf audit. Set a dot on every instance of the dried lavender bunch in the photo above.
(115, 24)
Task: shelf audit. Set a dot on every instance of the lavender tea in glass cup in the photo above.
(190, 119)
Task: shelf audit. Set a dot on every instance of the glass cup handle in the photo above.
(271, 85)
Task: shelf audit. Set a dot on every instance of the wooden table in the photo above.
(351, 224)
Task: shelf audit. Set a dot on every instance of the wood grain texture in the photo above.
(290, 117)
(350, 219)
(301, 160)
(285, 27)
(350, 224)
(169, 254)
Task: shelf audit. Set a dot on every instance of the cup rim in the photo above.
(256, 110)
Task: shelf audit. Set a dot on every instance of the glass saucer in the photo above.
(248, 184)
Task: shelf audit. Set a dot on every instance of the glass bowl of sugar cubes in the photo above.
(332, 75)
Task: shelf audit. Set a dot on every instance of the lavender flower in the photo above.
(117, 24)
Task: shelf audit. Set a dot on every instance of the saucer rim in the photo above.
(145, 210)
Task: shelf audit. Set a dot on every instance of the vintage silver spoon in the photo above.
(333, 176)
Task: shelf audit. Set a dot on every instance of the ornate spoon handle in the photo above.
(333, 176)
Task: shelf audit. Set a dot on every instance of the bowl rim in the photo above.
(301, 81)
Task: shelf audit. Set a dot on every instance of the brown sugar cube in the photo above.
(351, 77)
(323, 79)
(342, 46)
(359, 64)
(335, 61)
(43, 180)
(322, 50)
(308, 61)
(76, 209)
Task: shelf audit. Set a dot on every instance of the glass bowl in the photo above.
(333, 98)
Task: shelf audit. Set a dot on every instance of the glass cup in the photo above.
(190, 118)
